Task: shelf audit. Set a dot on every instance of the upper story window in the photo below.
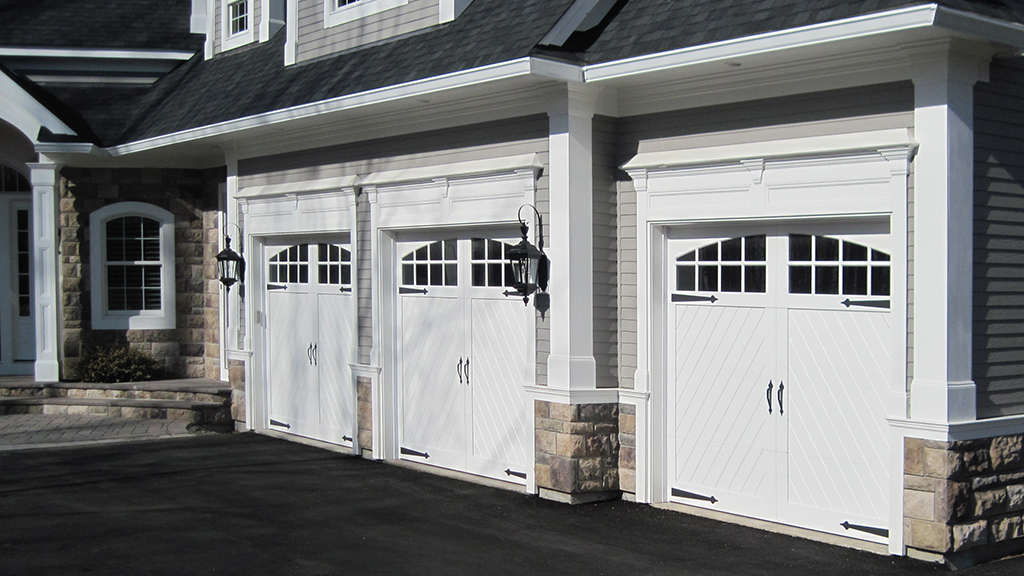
(237, 24)
(337, 12)
(132, 266)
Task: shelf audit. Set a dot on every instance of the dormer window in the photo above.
(236, 17)
(337, 12)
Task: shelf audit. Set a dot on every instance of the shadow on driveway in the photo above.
(247, 504)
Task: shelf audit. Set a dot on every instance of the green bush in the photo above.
(117, 365)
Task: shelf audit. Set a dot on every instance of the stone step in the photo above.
(200, 402)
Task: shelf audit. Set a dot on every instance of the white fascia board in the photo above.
(511, 69)
(459, 169)
(19, 108)
(96, 53)
(55, 148)
(991, 29)
(303, 187)
(850, 28)
(795, 147)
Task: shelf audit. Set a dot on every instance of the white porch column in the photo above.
(942, 388)
(45, 203)
(571, 364)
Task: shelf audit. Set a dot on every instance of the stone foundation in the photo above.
(627, 449)
(964, 500)
(364, 416)
(236, 378)
(577, 451)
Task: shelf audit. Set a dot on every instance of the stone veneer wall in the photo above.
(577, 451)
(192, 349)
(964, 500)
(236, 379)
(364, 415)
(627, 448)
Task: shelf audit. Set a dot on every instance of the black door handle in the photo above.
(467, 371)
(780, 396)
(459, 368)
(316, 360)
(309, 353)
(769, 395)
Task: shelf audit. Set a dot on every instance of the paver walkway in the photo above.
(22, 431)
(252, 505)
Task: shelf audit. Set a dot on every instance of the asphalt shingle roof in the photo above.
(652, 26)
(138, 24)
(254, 80)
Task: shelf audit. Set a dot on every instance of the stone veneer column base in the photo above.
(364, 416)
(964, 501)
(577, 451)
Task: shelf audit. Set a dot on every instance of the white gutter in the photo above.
(520, 68)
(95, 53)
(903, 19)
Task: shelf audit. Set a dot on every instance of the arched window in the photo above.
(132, 265)
(733, 265)
(825, 265)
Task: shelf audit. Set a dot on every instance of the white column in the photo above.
(942, 389)
(45, 204)
(571, 364)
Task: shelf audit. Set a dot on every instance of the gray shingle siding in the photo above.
(999, 241)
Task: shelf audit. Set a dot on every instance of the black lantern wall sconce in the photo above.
(231, 267)
(530, 265)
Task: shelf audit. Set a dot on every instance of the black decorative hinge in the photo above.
(869, 529)
(404, 290)
(346, 438)
(510, 472)
(276, 287)
(691, 298)
(345, 289)
(508, 293)
(868, 303)
(410, 452)
(692, 496)
(278, 423)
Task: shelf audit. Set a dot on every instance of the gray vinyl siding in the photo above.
(462, 144)
(605, 253)
(314, 40)
(999, 241)
(864, 108)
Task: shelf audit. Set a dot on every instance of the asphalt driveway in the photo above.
(247, 504)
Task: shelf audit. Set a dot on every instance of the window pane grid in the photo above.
(290, 265)
(824, 265)
(133, 264)
(733, 265)
(435, 264)
(23, 258)
(334, 265)
(239, 16)
(490, 265)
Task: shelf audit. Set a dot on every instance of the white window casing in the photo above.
(102, 317)
(236, 24)
(337, 13)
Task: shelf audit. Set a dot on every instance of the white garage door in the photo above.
(463, 358)
(779, 363)
(309, 338)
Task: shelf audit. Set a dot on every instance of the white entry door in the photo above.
(17, 318)
(463, 359)
(779, 363)
(310, 327)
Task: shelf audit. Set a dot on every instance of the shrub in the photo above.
(117, 365)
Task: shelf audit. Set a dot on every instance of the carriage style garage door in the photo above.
(462, 359)
(778, 362)
(309, 327)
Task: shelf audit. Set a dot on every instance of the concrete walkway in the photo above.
(23, 431)
(254, 505)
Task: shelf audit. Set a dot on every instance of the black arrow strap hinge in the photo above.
(346, 438)
(345, 289)
(868, 303)
(869, 529)
(404, 290)
(278, 423)
(276, 287)
(411, 452)
(511, 472)
(693, 496)
(694, 298)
